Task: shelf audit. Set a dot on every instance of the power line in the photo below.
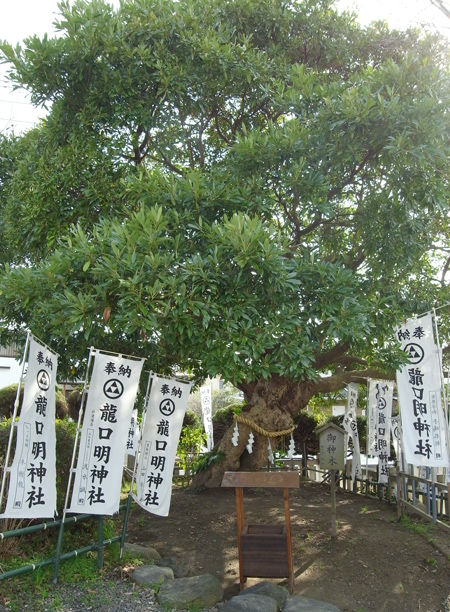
(15, 102)
(17, 120)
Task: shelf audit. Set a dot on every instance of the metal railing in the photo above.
(54, 560)
(428, 498)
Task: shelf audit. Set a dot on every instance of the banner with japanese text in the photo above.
(371, 418)
(206, 402)
(32, 483)
(350, 426)
(112, 392)
(396, 432)
(159, 442)
(380, 412)
(424, 427)
(133, 434)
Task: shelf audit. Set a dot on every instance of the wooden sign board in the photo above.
(331, 441)
(261, 479)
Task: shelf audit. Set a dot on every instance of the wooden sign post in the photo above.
(265, 551)
(331, 441)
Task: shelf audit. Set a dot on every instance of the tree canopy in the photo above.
(251, 188)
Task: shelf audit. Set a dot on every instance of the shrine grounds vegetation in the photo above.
(251, 188)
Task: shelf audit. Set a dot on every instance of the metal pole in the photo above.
(100, 543)
(444, 393)
(367, 433)
(92, 352)
(6, 468)
(428, 494)
(433, 495)
(399, 494)
(138, 450)
(413, 486)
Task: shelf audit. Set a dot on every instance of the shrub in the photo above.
(8, 397)
(304, 433)
(65, 438)
(221, 398)
(203, 462)
(191, 419)
(73, 403)
(223, 418)
(192, 440)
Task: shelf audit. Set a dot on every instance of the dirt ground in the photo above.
(375, 563)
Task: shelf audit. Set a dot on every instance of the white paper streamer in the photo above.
(251, 440)
(235, 438)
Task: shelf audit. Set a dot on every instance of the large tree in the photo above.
(251, 188)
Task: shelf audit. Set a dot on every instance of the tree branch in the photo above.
(356, 170)
(337, 381)
(331, 356)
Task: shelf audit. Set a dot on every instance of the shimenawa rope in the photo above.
(254, 427)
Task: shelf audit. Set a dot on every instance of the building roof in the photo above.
(10, 351)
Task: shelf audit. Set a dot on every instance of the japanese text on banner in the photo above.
(424, 429)
(206, 402)
(161, 431)
(112, 393)
(133, 434)
(380, 411)
(32, 487)
(350, 426)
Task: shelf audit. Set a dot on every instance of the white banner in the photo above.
(396, 431)
(32, 484)
(371, 417)
(158, 448)
(352, 398)
(419, 392)
(337, 410)
(381, 392)
(112, 393)
(350, 426)
(133, 434)
(206, 401)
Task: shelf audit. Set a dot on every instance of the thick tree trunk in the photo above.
(271, 404)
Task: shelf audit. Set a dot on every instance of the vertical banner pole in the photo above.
(399, 493)
(13, 420)
(125, 522)
(92, 351)
(100, 545)
(367, 437)
(413, 486)
(433, 495)
(428, 476)
(138, 450)
(444, 393)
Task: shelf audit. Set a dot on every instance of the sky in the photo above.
(22, 18)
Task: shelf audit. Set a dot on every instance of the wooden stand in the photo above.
(265, 551)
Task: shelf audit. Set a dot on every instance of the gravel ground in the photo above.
(107, 595)
(110, 593)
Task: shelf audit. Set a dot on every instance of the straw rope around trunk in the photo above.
(254, 427)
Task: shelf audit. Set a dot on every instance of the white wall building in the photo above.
(10, 368)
